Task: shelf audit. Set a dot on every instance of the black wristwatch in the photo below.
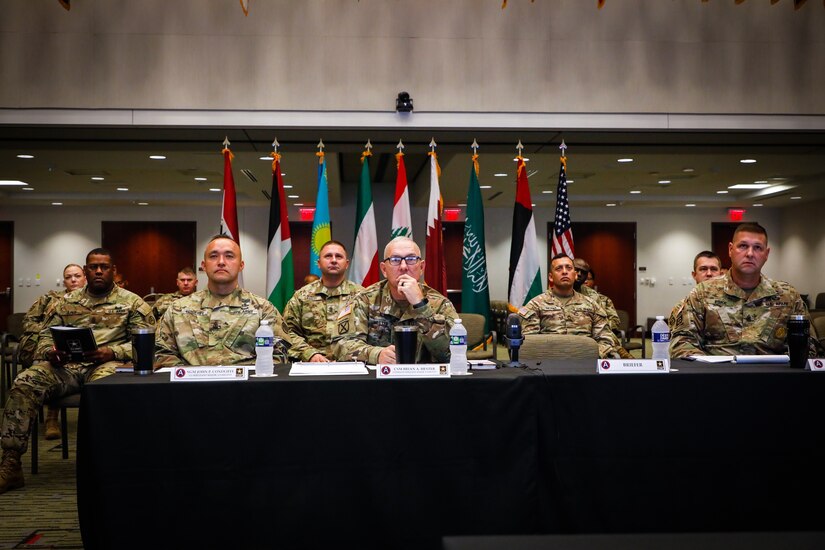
(421, 304)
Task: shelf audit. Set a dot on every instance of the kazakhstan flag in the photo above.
(321, 232)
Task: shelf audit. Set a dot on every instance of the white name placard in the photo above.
(815, 365)
(619, 366)
(208, 374)
(424, 370)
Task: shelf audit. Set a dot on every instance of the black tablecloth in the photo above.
(355, 461)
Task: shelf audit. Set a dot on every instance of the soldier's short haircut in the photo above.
(186, 271)
(560, 255)
(72, 265)
(751, 227)
(397, 240)
(333, 241)
(706, 254)
(222, 236)
(99, 252)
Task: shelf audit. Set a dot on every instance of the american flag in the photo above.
(562, 234)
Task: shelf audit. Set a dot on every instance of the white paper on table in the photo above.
(327, 369)
(763, 359)
(712, 358)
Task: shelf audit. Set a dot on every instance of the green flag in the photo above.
(475, 290)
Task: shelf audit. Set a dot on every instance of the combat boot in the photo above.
(52, 423)
(11, 473)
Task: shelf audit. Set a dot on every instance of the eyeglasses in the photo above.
(396, 260)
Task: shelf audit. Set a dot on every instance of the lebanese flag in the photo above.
(435, 269)
(525, 276)
(364, 269)
(401, 218)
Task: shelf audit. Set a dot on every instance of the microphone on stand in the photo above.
(513, 338)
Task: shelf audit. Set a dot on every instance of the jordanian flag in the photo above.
(401, 218)
(525, 276)
(280, 274)
(320, 224)
(475, 289)
(364, 270)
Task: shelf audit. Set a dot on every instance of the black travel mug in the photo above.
(406, 344)
(143, 350)
(798, 333)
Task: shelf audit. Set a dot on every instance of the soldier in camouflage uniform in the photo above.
(187, 282)
(742, 313)
(706, 265)
(217, 325)
(73, 278)
(582, 271)
(312, 312)
(365, 327)
(562, 310)
(112, 313)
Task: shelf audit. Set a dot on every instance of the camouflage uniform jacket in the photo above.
(163, 303)
(720, 319)
(204, 329)
(33, 324)
(365, 325)
(111, 318)
(606, 303)
(579, 315)
(675, 313)
(311, 315)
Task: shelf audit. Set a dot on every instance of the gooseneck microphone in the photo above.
(513, 338)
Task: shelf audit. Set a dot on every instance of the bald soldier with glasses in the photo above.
(365, 326)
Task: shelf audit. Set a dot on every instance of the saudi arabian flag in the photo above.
(525, 275)
(364, 270)
(475, 290)
(320, 224)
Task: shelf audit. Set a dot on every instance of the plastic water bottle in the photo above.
(661, 338)
(264, 346)
(458, 348)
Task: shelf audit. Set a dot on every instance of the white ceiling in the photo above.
(66, 158)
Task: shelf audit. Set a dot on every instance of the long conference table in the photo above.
(334, 462)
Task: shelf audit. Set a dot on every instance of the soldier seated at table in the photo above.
(187, 282)
(217, 325)
(365, 326)
(312, 312)
(742, 313)
(562, 310)
(112, 313)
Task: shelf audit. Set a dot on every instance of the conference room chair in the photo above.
(486, 342)
(558, 346)
(819, 303)
(626, 332)
(62, 403)
(818, 329)
(152, 297)
(8, 352)
(499, 310)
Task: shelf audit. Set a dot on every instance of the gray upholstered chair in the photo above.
(558, 346)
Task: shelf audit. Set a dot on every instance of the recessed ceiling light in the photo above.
(749, 186)
(287, 187)
(485, 186)
(721, 192)
(157, 157)
(500, 175)
(635, 192)
(28, 189)
(761, 181)
(143, 204)
(547, 192)
(664, 182)
(795, 198)
(13, 183)
(570, 181)
(57, 204)
(293, 196)
(748, 161)
(688, 170)
(525, 159)
(532, 204)
(98, 178)
(297, 204)
(624, 160)
(610, 204)
(283, 174)
(24, 156)
(690, 204)
(200, 179)
(265, 158)
(214, 189)
(778, 179)
(122, 188)
(758, 204)
(462, 204)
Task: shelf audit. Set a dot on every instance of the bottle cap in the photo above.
(662, 317)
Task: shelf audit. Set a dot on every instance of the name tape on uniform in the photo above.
(208, 374)
(620, 366)
(424, 370)
(816, 365)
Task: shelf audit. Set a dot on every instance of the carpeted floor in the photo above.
(43, 514)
